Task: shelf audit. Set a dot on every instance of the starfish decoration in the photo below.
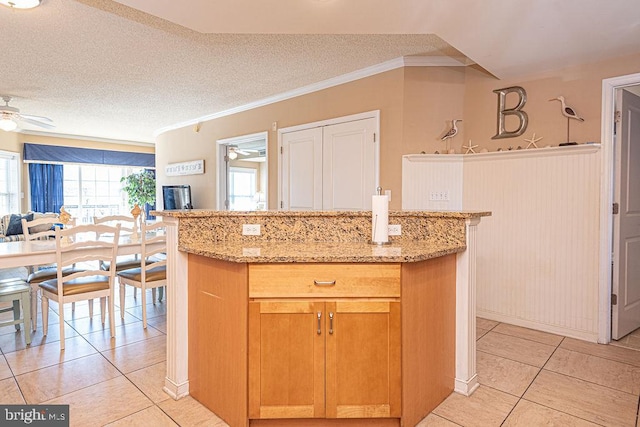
(470, 148)
(533, 141)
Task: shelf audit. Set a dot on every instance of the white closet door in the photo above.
(348, 157)
(301, 170)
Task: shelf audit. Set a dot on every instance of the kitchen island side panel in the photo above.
(428, 335)
(218, 313)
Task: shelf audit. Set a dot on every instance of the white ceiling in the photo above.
(126, 70)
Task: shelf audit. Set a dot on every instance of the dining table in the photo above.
(43, 252)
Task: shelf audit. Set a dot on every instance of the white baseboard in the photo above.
(176, 391)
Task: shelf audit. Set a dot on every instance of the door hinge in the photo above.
(374, 137)
(281, 150)
(616, 208)
(281, 204)
(226, 159)
(614, 299)
(226, 204)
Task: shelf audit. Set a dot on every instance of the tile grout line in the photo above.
(521, 398)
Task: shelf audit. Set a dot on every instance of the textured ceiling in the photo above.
(123, 70)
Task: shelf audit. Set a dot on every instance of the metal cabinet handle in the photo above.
(324, 282)
(319, 323)
(331, 323)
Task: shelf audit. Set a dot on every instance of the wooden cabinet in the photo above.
(325, 358)
(363, 375)
(385, 351)
(286, 360)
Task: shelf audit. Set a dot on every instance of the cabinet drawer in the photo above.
(324, 280)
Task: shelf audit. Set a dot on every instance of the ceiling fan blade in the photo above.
(38, 118)
(36, 122)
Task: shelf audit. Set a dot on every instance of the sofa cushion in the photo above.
(15, 224)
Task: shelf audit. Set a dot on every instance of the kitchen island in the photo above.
(308, 324)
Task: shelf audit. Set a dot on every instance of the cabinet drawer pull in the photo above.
(319, 323)
(331, 323)
(324, 282)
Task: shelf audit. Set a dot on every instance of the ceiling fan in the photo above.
(10, 116)
(242, 151)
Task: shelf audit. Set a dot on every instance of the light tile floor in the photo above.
(532, 378)
(528, 378)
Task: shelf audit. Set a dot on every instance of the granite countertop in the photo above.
(361, 252)
(319, 236)
(196, 213)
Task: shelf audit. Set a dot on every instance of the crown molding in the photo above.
(406, 61)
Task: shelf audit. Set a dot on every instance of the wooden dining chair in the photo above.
(87, 245)
(40, 229)
(18, 293)
(152, 271)
(128, 225)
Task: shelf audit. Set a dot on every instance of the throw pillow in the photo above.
(15, 224)
(44, 227)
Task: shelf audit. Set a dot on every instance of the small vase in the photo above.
(136, 213)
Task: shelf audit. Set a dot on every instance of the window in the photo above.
(9, 182)
(92, 190)
(242, 188)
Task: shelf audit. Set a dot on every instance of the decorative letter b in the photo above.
(516, 111)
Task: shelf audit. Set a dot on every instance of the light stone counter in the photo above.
(319, 236)
(354, 252)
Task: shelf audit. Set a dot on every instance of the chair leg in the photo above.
(160, 293)
(61, 305)
(34, 306)
(103, 306)
(45, 315)
(135, 293)
(73, 307)
(112, 323)
(153, 296)
(16, 312)
(90, 302)
(122, 293)
(143, 292)
(26, 304)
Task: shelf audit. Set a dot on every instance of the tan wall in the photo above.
(381, 92)
(12, 141)
(416, 105)
(581, 86)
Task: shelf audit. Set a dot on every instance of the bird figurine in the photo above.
(569, 113)
(453, 131)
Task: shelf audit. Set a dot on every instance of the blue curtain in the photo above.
(46, 187)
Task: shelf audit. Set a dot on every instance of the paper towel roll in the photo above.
(380, 219)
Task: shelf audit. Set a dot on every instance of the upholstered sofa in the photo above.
(11, 225)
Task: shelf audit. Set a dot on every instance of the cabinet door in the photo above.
(286, 359)
(363, 359)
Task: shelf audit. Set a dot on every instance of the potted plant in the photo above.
(141, 189)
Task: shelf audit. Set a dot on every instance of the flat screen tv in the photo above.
(176, 197)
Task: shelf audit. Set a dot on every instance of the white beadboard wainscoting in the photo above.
(538, 254)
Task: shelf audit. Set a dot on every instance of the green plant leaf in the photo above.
(140, 187)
